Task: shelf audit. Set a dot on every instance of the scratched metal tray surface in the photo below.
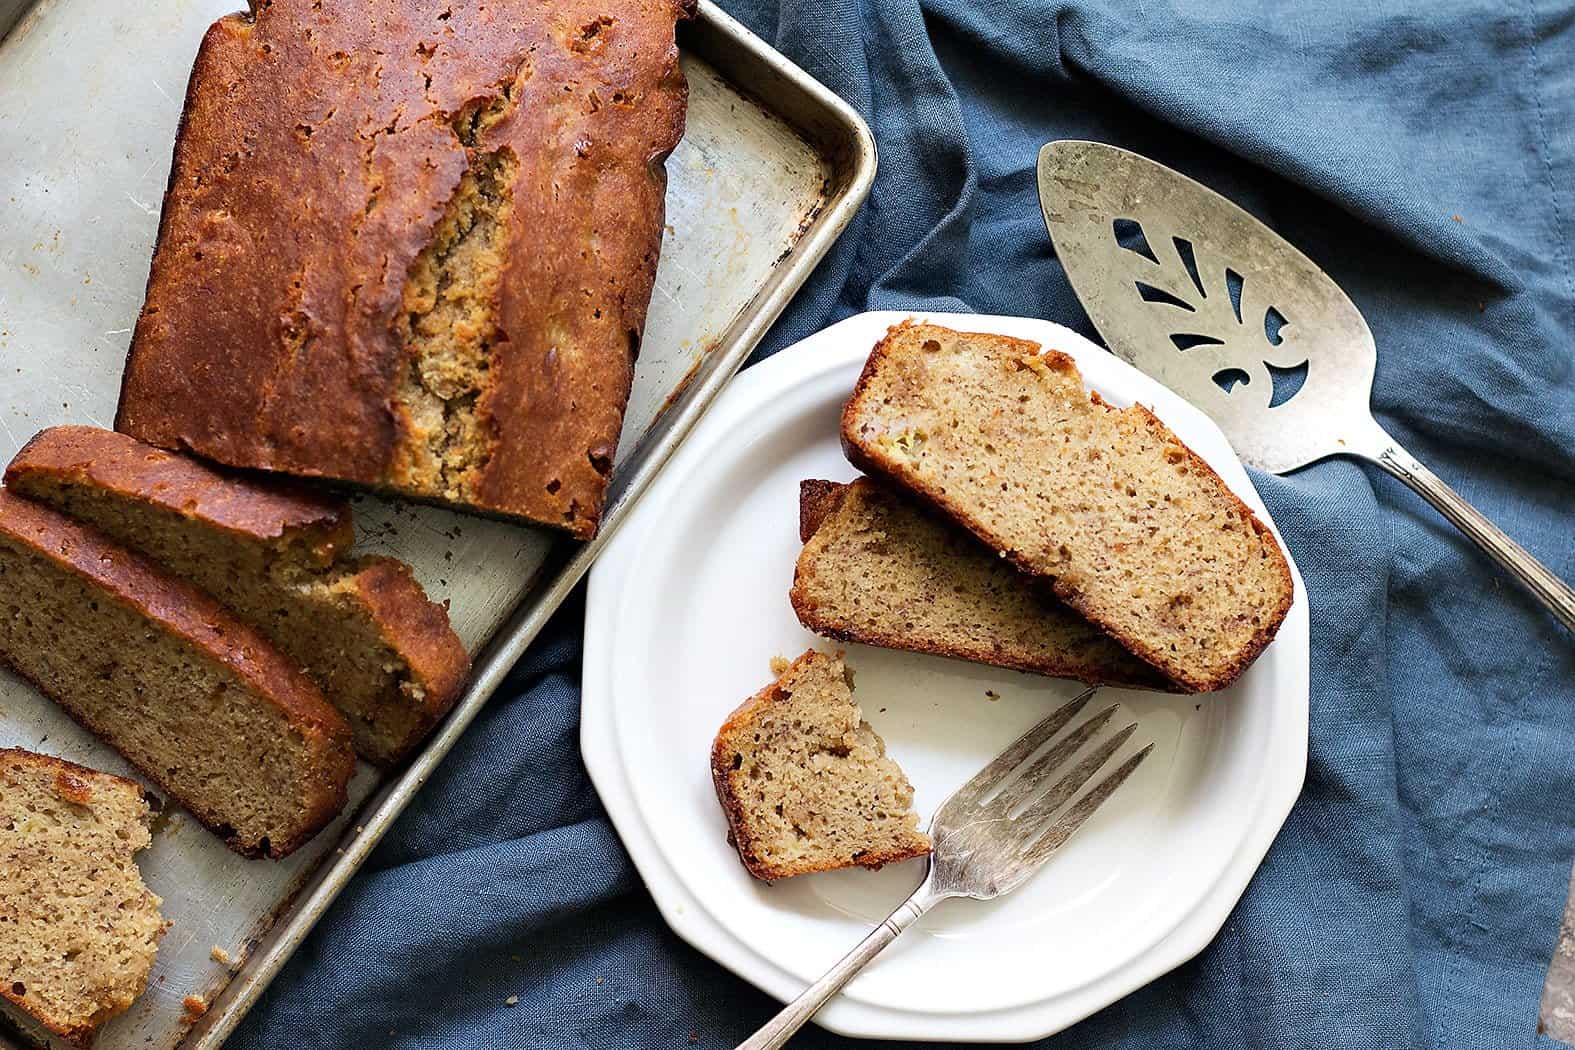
(769, 172)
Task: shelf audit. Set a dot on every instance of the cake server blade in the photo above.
(1192, 290)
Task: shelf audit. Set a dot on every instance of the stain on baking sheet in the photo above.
(684, 383)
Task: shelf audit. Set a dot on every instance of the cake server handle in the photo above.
(796, 1015)
(1551, 591)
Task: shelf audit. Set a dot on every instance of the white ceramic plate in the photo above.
(687, 607)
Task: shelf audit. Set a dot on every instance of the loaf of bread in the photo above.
(879, 568)
(805, 782)
(1131, 528)
(410, 245)
(78, 929)
(278, 555)
(204, 706)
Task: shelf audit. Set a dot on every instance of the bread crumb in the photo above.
(779, 665)
(195, 1005)
(516, 958)
(219, 955)
(512, 1000)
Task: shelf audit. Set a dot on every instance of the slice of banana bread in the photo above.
(878, 568)
(1134, 531)
(805, 782)
(197, 700)
(78, 929)
(362, 628)
(411, 245)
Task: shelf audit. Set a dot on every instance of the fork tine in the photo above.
(1032, 780)
(1081, 810)
(1012, 757)
(1022, 790)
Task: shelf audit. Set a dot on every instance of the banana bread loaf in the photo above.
(805, 781)
(410, 244)
(1133, 530)
(362, 628)
(198, 701)
(879, 568)
(78, 929)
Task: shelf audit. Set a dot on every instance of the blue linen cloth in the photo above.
(1421, 151)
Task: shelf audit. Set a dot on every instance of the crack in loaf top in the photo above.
(323, 147)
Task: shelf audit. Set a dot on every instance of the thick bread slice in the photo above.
(805, 782)
(362, 628)
(197, 700)
(878, 568)
(1133, 529)
(78, 929)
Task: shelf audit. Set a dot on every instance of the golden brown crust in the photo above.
(73, 782)
(873, 460)
(273, 512)
(819, 500)
(316, 154)
(82, 1036)
(733, 808)
(261, 508)
(187, 612)
(418, 629)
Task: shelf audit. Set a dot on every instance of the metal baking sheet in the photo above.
(770, 170)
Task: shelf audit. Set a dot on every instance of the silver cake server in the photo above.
(1192, 290)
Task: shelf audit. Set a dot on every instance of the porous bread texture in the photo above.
(78, 929)
(1133, 529)
(197, 700)
(362, 628)
(450, 330)
(805, 781)
(879, 568)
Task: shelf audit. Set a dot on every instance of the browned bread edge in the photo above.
(184, 609)
(871, 460)
(266, 507)
(734, 809)
(419, 630)
(817, 501)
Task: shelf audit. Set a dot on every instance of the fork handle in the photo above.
(1538, 578)
(795, 1015)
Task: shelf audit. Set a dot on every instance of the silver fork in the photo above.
(988, 838)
